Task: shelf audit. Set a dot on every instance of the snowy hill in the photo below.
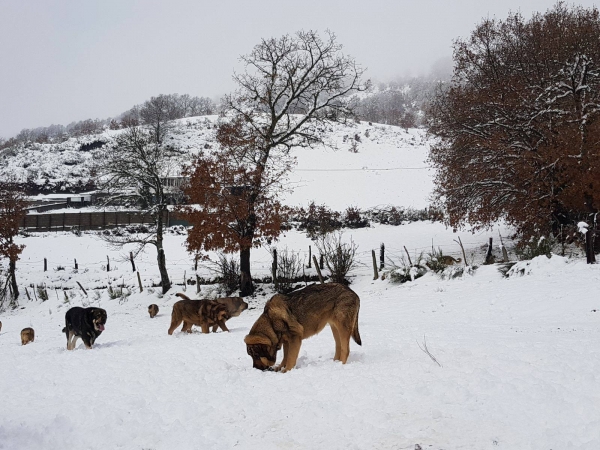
(387, 156)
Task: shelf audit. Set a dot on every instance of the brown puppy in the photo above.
(203, 313)
(449, 260)
(27, 335)
(288, 319)
(235, 306)
(153, 310)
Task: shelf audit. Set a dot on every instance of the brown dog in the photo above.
(235, 306)
(153, 310)
(27, 336)
(203, 313)
(288, 319)
(448, 260)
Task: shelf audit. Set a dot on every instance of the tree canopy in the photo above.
(518, 127)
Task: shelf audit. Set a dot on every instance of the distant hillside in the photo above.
(363, 164)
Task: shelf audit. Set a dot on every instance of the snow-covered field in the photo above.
(519, 357)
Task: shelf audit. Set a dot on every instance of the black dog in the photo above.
(84, 323)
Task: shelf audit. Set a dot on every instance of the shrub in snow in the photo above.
(228, 273)
(535, 246)
(504, 268)
(353, 218)
(452, 272)
(289, 266)
(537, 264)
(339, 256)
(406, 271)
(42, 292)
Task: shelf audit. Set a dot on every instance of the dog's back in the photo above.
(330, 303)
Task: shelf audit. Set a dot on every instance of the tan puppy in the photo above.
(27, 335)
(235, 306)
(288, 319)
(153, 310)
(203, 313)
(449, 260)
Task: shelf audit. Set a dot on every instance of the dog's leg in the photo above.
(174, 324)
(88, 342)
(344, 343)
(205, 328)
(74, 341)
(292, 353)
(338, 345)
(187, 326)
(215, 328)
(221, 323)
(286, 350)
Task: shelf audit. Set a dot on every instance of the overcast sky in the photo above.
(62, 61)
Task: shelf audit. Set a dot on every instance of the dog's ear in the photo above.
(281, 318)
(254, 339)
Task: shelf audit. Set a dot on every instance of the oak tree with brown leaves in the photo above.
(519, 125)
(12, 211)
(291, 88)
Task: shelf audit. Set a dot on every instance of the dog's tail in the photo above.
(355, 333)
(183, 296)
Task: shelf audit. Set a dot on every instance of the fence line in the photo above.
(99, 220)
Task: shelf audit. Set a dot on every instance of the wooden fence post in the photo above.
(84, 291)
(131, 259)
(184, 281)
(322, 263)
(76, 266)
(274, 268)
(197, 284)
(381, 256)
(27, 292)
(318, 269)
(140, 282)
(489, 258)
(107, 264)
(407, 254)
(309, 257)
(375, 273)
(45, 264)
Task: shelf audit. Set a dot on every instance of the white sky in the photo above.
(64, 60)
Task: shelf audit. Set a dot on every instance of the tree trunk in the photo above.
(13, 279)
(162, 264)
(246, 287)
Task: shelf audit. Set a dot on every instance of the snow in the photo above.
(519, 355)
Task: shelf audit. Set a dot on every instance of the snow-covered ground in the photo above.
(519, 357)
(520, 361)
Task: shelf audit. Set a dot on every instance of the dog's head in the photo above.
(235, 305)
(98, 316)
(262, 351)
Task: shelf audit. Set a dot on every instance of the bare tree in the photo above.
(291, 86)
(156, 114)
(133, 172)
(12, 211)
